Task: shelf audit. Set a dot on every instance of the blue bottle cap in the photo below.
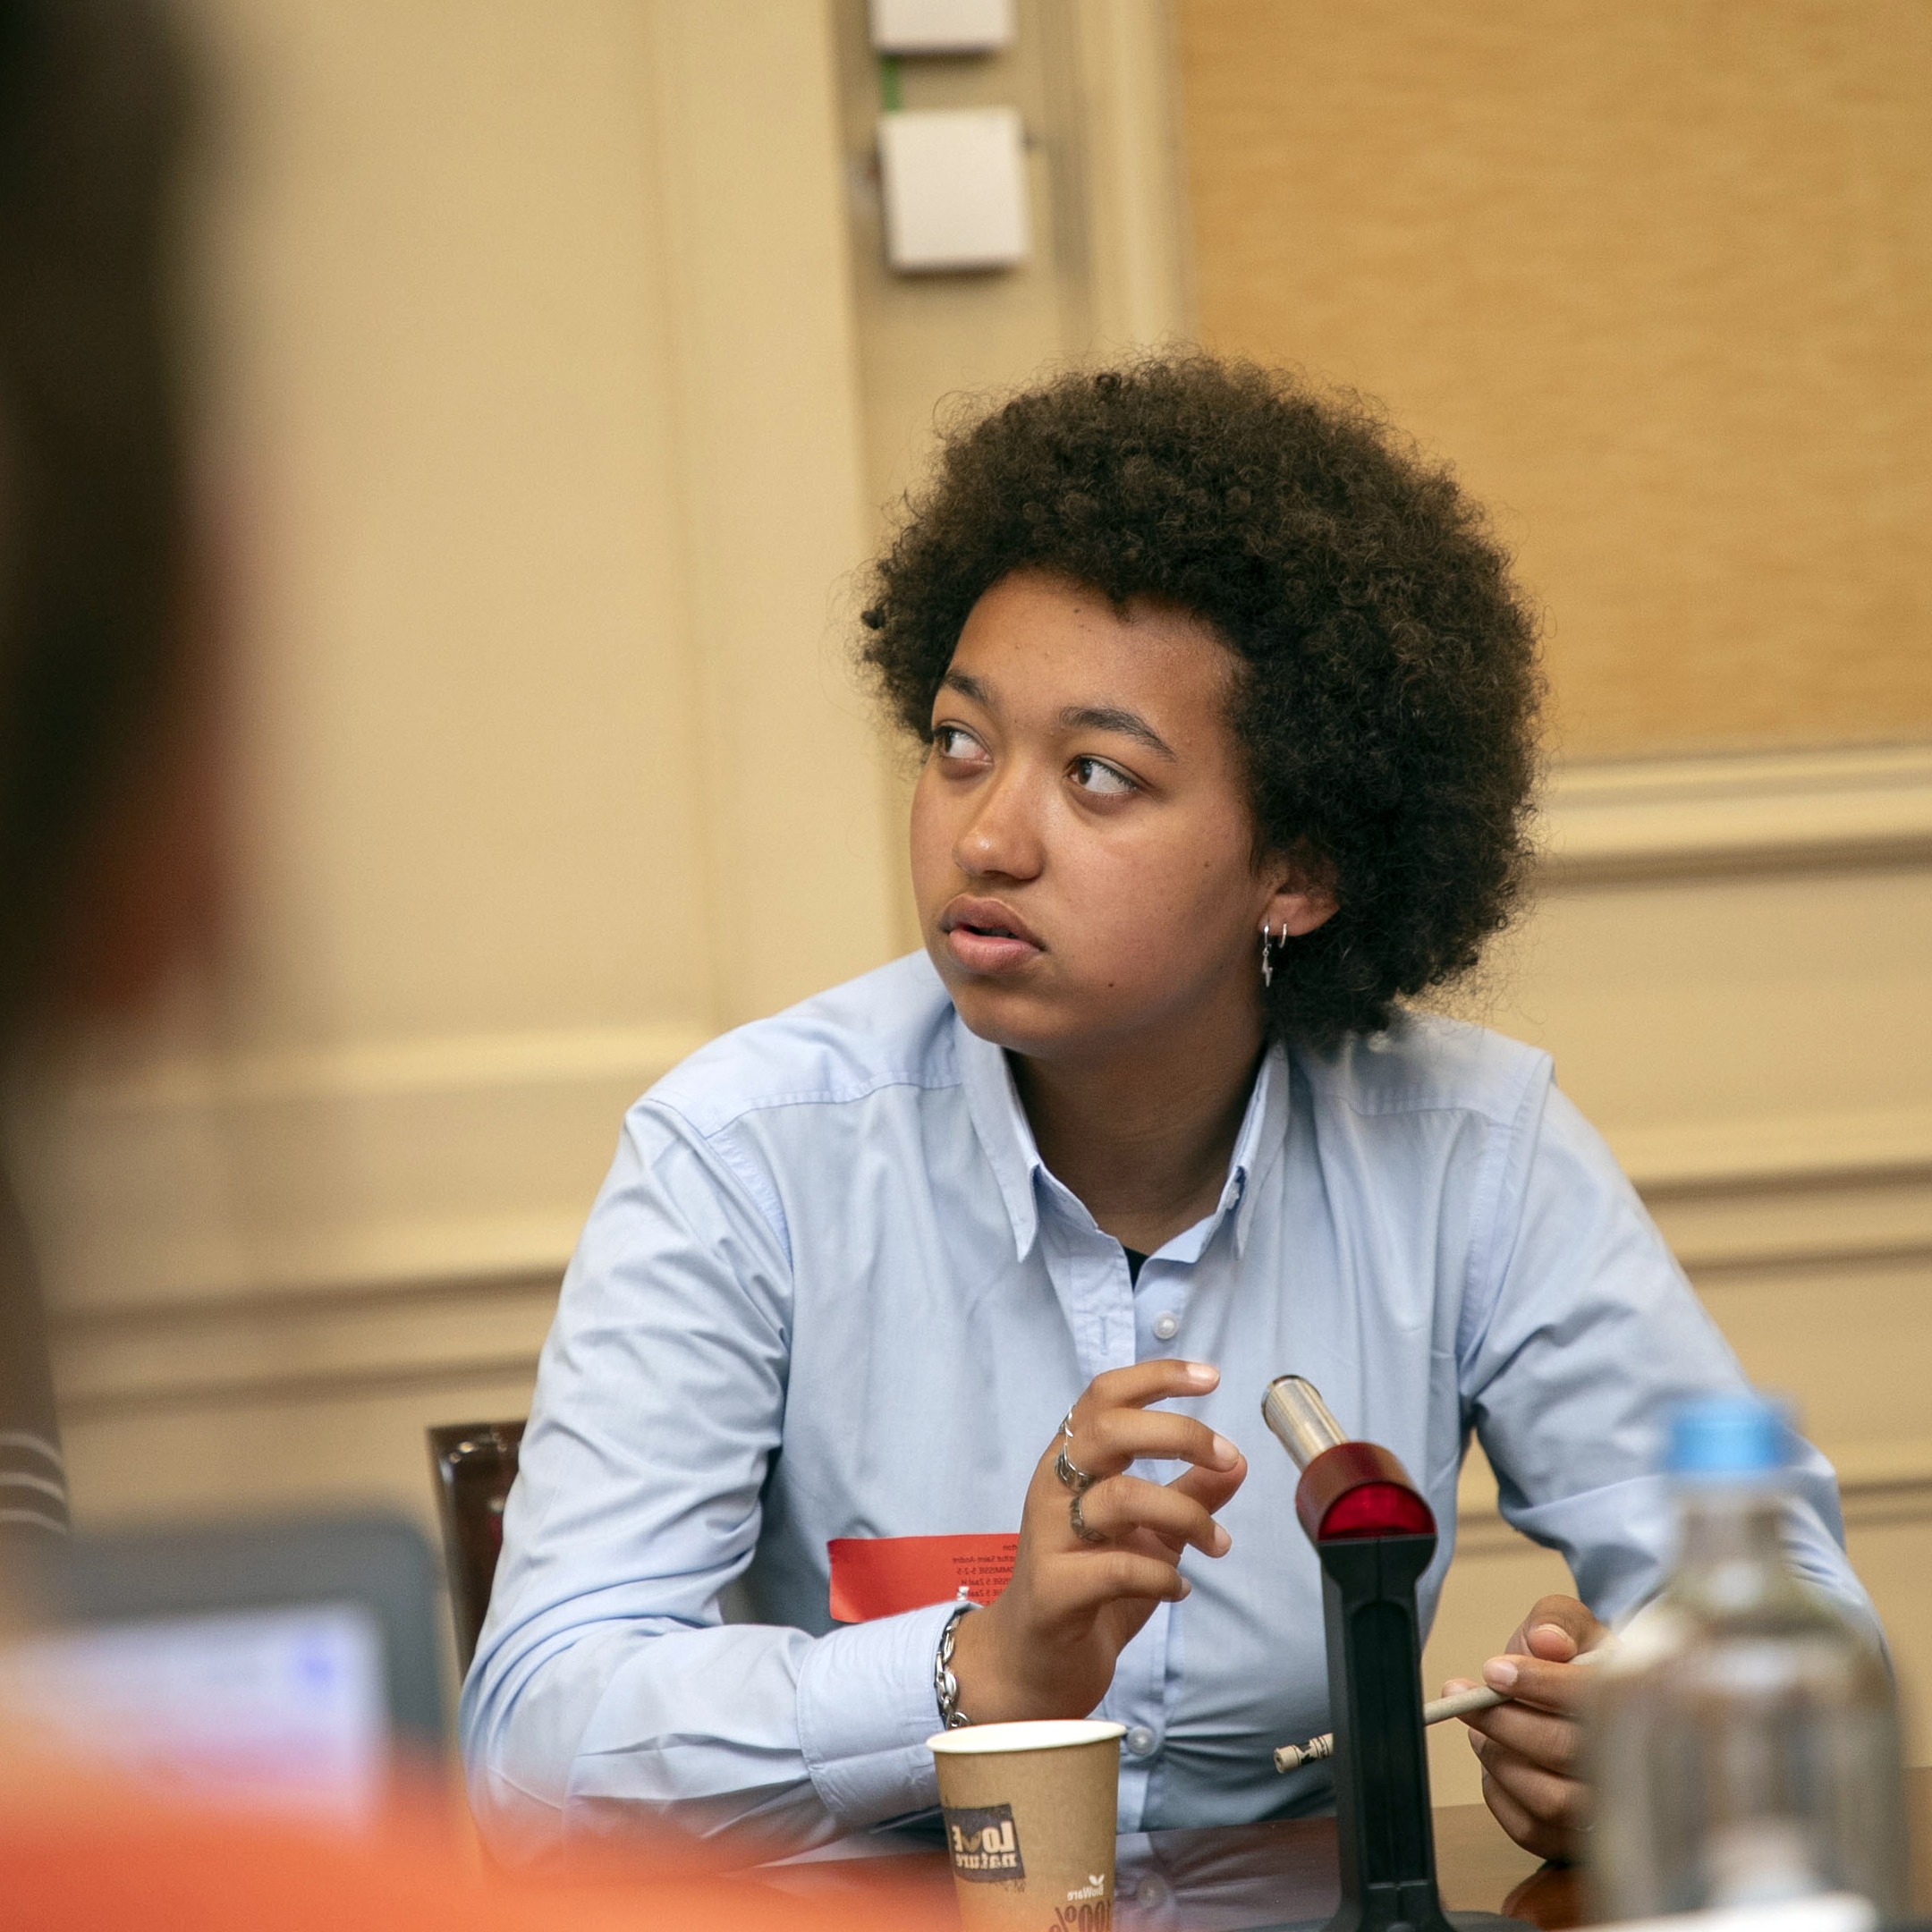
(1729, 1437)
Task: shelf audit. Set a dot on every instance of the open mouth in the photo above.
(986, 935)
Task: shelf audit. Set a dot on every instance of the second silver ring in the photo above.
(1080, 1524)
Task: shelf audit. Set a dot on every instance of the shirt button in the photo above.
(1167, 1326)
(1139, 1740)
(1152, 1891)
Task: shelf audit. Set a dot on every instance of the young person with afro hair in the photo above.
(1228, 703)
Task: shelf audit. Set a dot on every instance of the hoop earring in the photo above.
(1268, 944)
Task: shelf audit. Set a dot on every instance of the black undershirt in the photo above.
(1134, 1258)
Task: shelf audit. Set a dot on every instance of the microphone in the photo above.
(1375, 1536)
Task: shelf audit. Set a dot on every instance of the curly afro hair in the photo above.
(1387, 699)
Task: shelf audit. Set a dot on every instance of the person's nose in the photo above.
(1001, 838)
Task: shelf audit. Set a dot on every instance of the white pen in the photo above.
(1293, 1756)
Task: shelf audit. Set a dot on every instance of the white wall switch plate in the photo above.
(954, 189)
(941, 26)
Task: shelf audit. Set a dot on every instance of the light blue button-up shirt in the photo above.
(829, 1290)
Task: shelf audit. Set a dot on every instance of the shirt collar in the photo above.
(1007, 1136)
(1264, 1132)
(1005, 1132)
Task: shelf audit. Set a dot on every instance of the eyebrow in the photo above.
(968, 686)
(1074, 717)
(1115, 718)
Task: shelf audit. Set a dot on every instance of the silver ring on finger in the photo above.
(1080, 1524)
(1065, 1468)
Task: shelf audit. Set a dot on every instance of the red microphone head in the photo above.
(1349, 1490)
(1359, 1489)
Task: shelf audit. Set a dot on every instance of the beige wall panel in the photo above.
(473, 801)
(1093, 80)
(926, 338)
(1656, 278)
(363, 1448)
(540, 349)
(285, 1175)
(1729, 976)
(276, 1457)
(770, 477)
(329, 1346)
(1715, 1008)
(1851, 1339)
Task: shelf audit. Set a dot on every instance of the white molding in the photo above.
(1664, 817)
(231, 1179)
(471, 1158)
(1778, 1150)
(1878, 1483)
(462, 1063)
(321, 1346)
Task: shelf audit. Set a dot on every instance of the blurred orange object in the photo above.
(123, 1868)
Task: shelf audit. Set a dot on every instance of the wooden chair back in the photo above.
(475, 1464)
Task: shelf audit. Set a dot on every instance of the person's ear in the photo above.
(1304, 895)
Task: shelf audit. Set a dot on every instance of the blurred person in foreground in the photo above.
(109, 867)
(107, 818)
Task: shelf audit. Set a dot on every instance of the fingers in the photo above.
(1557, 1628)
(1530, 1747)
(1118, 1437)
(1552, 1743)
(1107, 1576)
(1123, 1504)
(1562, 1687)
(1560, 1802)
(1213, 1489)
(1539, 1669)
(1534, 1835)
(1149, 1381)
(1107, 1440)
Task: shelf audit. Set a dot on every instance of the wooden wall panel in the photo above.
(1658, 277)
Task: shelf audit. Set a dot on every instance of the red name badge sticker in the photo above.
(880, 1576)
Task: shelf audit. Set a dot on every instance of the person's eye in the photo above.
(955, 742)
(1103, 780)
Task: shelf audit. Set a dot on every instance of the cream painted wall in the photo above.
(568, 385)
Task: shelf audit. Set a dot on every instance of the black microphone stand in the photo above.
(1375, 1536)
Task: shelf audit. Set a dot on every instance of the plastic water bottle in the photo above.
(1744, 1746)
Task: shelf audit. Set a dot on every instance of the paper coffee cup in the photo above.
(1030, 1814)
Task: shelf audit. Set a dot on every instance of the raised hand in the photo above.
(1046, 1646)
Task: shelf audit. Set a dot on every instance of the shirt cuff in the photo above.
(865, 1710)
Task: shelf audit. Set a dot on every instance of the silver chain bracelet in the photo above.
(945, 1685)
